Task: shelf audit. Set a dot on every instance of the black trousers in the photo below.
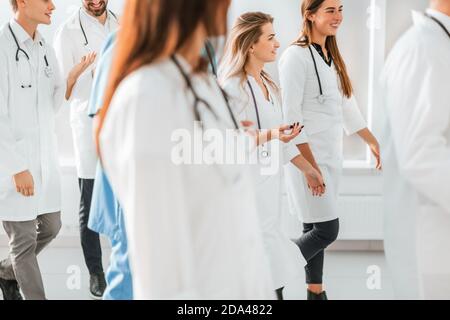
(316, 237)
(90, 240)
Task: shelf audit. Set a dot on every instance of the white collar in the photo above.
(21, 35)
(419, 18)
(94, 20)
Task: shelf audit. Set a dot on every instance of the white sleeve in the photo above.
(136, 151)
(293, 73)
(64, 52)
(11, 160)
(60, 85)
(353, 119)
(419, 115)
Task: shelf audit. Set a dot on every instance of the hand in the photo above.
(315, 182)
(375, 149)
(85, 63)
(287, 137)
(24, 183)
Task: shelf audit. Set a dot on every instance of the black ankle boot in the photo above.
(97, 285)
(10, 289)
(314, 296)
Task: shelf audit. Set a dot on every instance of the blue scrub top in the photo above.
(104, 214)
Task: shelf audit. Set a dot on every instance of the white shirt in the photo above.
(193, 229)
(27, 124)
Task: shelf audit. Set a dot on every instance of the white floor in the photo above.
(346, 275)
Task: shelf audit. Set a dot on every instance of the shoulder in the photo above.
(295, 53)
(233, 85)
(4, 39)
(151, 83)
(67, 26)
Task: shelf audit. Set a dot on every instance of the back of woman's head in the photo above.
(246, 32)
(153, 30)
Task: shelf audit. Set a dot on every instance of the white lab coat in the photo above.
(70, 47)
(417, 160)
(285, 258)
(193, 229)
(27, 125)
(324, 124)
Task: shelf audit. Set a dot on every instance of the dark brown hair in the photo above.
(310, 7)
(153, 30)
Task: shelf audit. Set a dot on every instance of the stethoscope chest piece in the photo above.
(321, 99)
(265, 154)
(48, 72)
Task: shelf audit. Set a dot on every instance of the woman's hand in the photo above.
(287, 137)
(375, 149)
(373, 144)
(315, 181)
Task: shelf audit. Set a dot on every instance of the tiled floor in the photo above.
(346, 275)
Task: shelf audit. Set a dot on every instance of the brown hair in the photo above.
(14, 5)
(153, 30)
(246, 32)
(310, 7)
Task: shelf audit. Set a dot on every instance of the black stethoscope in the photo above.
(264, 153)
(439, 23)
(321, 98)
(86, 41)
(208, 49)
(48, 70)
(198, 99)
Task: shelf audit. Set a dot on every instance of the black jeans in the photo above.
(316, 237)
(90, 240)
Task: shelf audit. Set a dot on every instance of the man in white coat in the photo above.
(31, 91)
(417, 150)
(79, 39)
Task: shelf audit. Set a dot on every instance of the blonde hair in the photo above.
(310, 7)
(246, 32)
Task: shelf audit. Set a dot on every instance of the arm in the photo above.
(71, 70)
(367, 136)
(12, 162)
(355, 123)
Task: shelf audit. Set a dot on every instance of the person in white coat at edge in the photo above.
(193, 229)
(77, 42)
(416, 148)
(255, 97)
(31, 92)
(318, 93)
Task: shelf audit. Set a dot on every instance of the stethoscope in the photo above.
(198, 99)
(47, 70)
(86, 41)
(208, 46)
(321, 98)
(264, 153)
(439, 23)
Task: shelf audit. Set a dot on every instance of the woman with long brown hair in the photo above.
(255, 96)
(192, 228)
(317, 91)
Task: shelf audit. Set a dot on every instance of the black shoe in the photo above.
(314, 296)
(10, 289)
(97, 285)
